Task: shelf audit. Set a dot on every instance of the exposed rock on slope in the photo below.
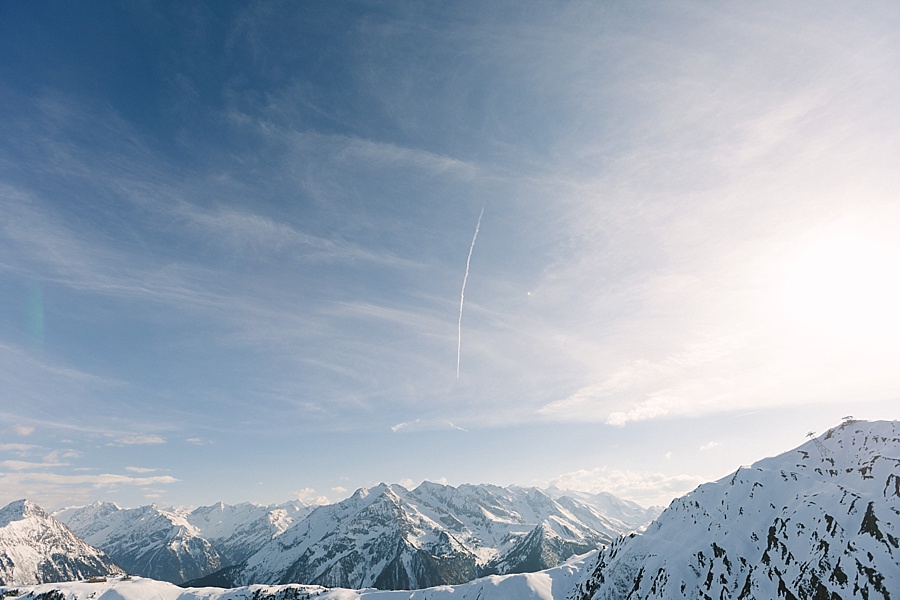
(36, 548)
(148, 541)
(177, 545)
(393, 538)
(819, 522)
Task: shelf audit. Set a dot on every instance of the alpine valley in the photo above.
(819, 522)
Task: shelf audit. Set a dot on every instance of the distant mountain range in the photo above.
(819, 522)
(389, 537)
(386, 537)
(177, 545)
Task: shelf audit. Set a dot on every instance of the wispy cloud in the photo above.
(140, 470)
(137, 440)
(20, 449)
(55, 490)
(21, 465)
(101, 480)
(407, 425)
(266, 238)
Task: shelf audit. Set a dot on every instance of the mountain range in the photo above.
(177, 545)
(821, 522)
(389, 537)
(386, 537)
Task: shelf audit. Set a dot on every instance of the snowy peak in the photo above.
(36, 548)
(394, 538)
(821, 521)
(239, 530)
(177, 545)
(148, 540)
(19, 510)
(857, 455)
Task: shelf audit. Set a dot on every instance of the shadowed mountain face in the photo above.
(821, 521)
(36, 548)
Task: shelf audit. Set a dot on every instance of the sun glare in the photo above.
(844, 283)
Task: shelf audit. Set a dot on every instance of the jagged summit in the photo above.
(17, 510)
(820, 521)
(36, 548)
(177, 545)
(390, 537)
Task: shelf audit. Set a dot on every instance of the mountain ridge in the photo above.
(36, 548)
(819, 521)
(393, 538)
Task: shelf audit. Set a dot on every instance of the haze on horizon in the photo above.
(233, 238)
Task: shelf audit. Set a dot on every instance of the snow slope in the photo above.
(551, 584)
(821, 521)
(36, 548)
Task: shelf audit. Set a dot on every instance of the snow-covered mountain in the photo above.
(389, 537)
(36, 548)
(177, 545)
(555, 583)
(821, 521)
(149, 541)
(239, 530)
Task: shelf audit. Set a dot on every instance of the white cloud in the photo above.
(21, 465)
(311, 496)
(140, 470)
(23, 430)
(10, 480)
(406, 425)
(709, 446)
(137, 440)
(643, 487)
(52, 489)
(20, 449)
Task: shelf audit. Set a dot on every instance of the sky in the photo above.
(234, 238)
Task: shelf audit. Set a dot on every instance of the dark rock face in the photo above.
(822, 521)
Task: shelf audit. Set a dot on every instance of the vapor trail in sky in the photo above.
(462, 293)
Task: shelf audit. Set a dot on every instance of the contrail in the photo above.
(462, 293)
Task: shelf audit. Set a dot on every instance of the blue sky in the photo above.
(233, 238)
